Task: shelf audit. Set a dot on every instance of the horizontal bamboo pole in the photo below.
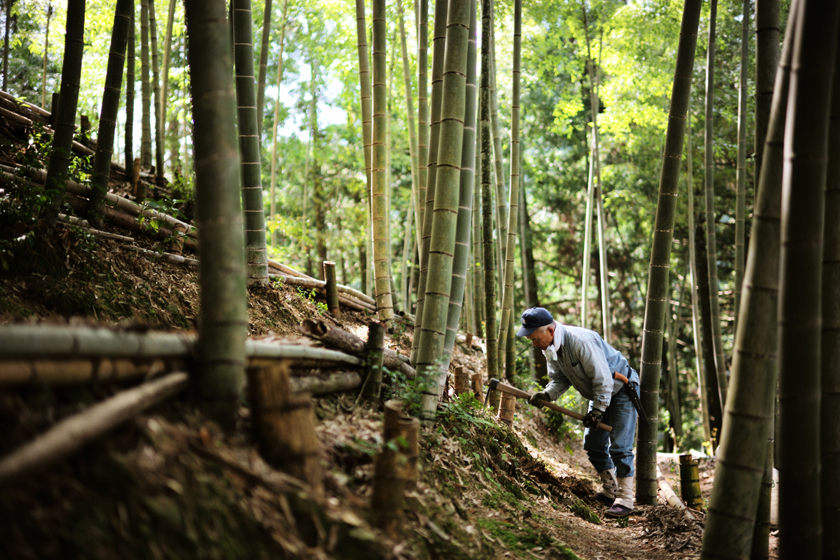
(60, 341)
(80, 371)
(338, 382)
(168, 257)
(288, 271)
(73, 220)
(344, 298)
(73, 433)
(26, 106)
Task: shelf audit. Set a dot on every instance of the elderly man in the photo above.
(580, 358)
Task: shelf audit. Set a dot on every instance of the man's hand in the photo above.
(539, 399)
(593, 418)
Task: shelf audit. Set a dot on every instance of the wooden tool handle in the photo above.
(504, 388)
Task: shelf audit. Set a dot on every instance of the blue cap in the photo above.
(534, 318)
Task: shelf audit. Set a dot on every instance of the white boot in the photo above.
(608, 487)
(623, 504)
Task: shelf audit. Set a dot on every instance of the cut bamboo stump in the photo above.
(374, 349)
(507, 408)
(462, 381)
(285, 425)
(477, 385)
(391, 468)
(332, 289)
(690, 482)
(495, 401)
(72, 433)
(405, 431)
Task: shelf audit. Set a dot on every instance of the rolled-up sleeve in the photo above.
(596, 367)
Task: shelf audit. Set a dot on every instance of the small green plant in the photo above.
(467, 407)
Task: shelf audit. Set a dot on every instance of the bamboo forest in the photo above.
(401, 279)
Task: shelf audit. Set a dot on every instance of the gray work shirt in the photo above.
(580, 358)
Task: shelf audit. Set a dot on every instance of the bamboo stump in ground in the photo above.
(477, 385)
(375, 350)
(462, 381)
(285, 424)
(332, 289)
(507, 409)
(395, 468)
(690, 482)
(495, 401)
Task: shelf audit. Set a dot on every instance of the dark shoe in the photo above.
(618, 510)
(602, 498)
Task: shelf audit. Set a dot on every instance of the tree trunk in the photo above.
(487, 211)
(741, 176)
(129, 91)
(441, 7)
(529, 280)
(46, 58)
(501, 189)
(513, 204)
(587, 239)
(646, 484)
(318, 199)
(477, 244)
(422, 115)
(711, 248)
(830, 338)
(766, 60)
(712, 393)
(62, 143)
(367, 118)
(145, 87)
(380, 210)
(164, 94)
(223, 328)
(6, 44)
(108, 114)
(159, 119)
(800, 279)
(249, 145)
(695, 309)
(674, 366)
(432, 364)
(276, 122)
(266, 35)
(460, 265)
(412, 128)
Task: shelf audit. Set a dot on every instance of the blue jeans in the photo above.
(615, 449)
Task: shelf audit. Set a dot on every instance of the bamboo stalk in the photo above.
(71, 434)
(374, 350)
(331, 289)
(67, 372)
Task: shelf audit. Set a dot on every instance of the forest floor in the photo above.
(171, 484)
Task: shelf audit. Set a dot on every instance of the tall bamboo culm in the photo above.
(422, 113)
(830, 341)
(276, 122)
(367, 119)
(461, 260)
(431, 360)
(513, 203)
(129, 90)
(265, 36)
(695, 308)
(379, 186)
(660, 260)
(741, 174)
(223, 326)
(800, 280)
(766, 61)
(249, 144)
(145, 89)
(108, 113)
(62, 143)
(477, 244)
(167, 57)
(487, 210)
(412, 128)
(711, 238)
(439, 47)
(159, 119)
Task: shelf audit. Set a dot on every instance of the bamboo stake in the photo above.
(71, 434)
(332, 289)
(374, 350)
